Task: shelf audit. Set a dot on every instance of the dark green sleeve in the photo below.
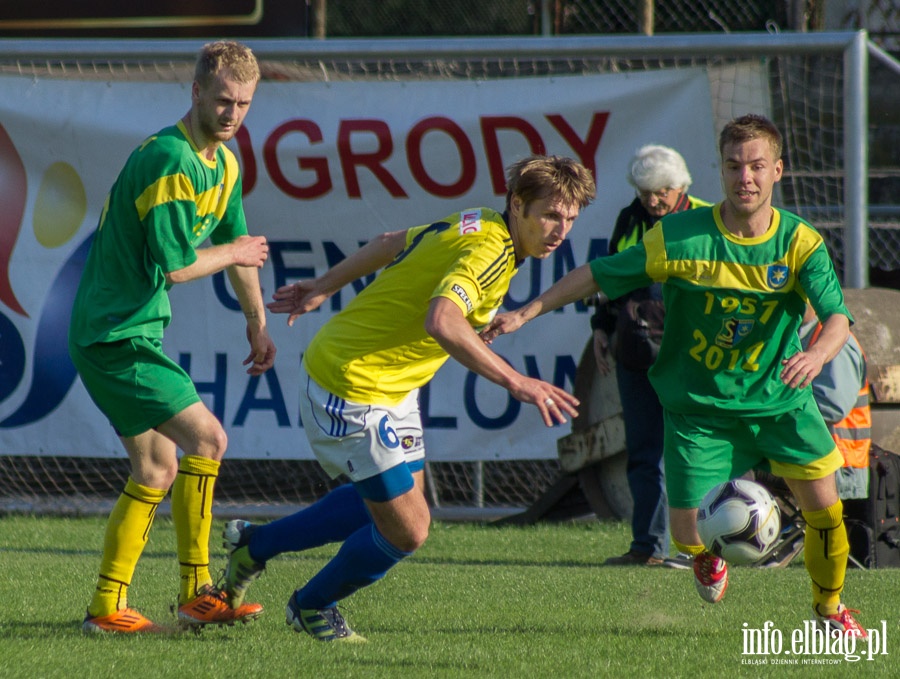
(622, 272)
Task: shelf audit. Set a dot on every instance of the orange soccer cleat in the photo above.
(210, 607)
(127, 621)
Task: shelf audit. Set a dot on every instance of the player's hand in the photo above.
(501, 324)
(262, 351)
(601, 351)
(296, 299)
(801, 369)
(552, 402)
(250, 251)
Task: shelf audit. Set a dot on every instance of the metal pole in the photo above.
(798, 15)
(645, 16)
(546, 25)
(856, 160)
(319, 9)
(478, 484)
(581, 46)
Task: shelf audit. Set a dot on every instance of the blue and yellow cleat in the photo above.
(324, 624)
(241, 569)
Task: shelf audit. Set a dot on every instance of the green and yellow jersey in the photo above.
(376, 349)
(634, 221)
(733, 307)
(167, 200)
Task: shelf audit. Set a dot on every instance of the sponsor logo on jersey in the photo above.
(410, 442)
(777, 276)
(470, 222)
(462, 295)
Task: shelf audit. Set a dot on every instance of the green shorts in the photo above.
(133, 383)
(702, 451)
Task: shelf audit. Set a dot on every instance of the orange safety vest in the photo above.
(853, 434)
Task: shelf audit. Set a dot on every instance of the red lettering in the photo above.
(463, 147)
(248, 160)
(319, 166)
(374, 152)
(489, 127)
(13, 193)
(372, 161)
(586, 149)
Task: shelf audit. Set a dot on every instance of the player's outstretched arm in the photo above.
(302, 297)
(577, 284)
(449, 327)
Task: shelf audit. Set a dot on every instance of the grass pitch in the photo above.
(475, 601)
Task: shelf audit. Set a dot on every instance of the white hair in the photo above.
(655, 167)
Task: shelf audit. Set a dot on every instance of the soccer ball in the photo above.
(739, 521)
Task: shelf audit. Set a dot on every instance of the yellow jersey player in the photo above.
(363, 369)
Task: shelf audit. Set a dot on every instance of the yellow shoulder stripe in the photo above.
(780, 275)
(164, 190)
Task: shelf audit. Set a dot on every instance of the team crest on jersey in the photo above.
(462, 295)
(469, 222)
(777, 276)
(733, 331)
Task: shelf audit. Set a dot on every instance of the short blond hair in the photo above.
(749, 127)
(537, 177)
(226, 54)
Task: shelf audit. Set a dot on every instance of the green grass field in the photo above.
(475, 601)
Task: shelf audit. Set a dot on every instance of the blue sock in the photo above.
(364, 558)
(332, 518)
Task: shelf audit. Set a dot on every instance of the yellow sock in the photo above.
(825, 552)
(693, 550)
(126, 534)
(192, 496)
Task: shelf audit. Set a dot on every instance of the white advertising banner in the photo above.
(326, 167)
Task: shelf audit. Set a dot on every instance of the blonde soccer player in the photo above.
(180, 187)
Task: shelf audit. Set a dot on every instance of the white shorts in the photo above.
(359, 440)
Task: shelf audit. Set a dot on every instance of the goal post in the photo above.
(814, 85)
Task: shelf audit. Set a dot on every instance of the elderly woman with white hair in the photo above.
(661, 180)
